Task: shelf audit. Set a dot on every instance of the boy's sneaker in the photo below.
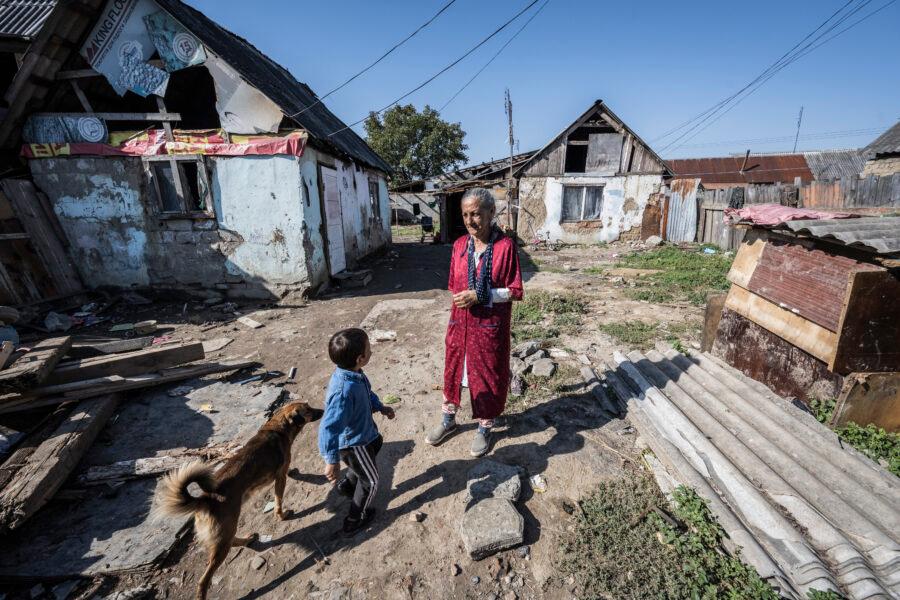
(345, 487)
(481, 443)
(354, 526)
(440, 432)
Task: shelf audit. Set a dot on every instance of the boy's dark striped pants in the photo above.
(363, 473)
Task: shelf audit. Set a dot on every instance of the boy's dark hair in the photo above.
(346, 346)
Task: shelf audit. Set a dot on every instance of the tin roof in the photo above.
(886, 143)
(276, 83)
(880, 235)
(24, 18)
(758, 169)
(835, 164)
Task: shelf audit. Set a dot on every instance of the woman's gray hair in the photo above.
(485, 197)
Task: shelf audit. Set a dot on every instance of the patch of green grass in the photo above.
(622, 548)
(634, 333)
(874, 442)
(685, 274)
(391, 399)
(595, 270)
(546, 315)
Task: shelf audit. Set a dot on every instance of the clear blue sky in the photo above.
(656, 64)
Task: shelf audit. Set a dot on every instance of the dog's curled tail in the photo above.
(173, 497)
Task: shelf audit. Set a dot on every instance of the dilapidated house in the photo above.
(175, 154)
(590, 184)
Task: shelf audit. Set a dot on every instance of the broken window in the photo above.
(375, 198)
(576, 157)
(582, 202)
(181, 185)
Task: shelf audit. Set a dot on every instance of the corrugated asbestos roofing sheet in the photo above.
(275, 82)
(886, 143)
(758, 169)
(880, 235)
(835, 164)
(24, 18)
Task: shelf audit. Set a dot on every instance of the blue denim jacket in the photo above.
(348, 422)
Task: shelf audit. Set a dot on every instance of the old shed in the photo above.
(195, 161)
(591, 183)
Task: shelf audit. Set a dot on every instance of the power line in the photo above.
(488, 63)
(441, 72)
(804, 137)
(758, 77)
(809, 47)
(379, 59)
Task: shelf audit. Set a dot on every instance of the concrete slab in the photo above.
(491, 525)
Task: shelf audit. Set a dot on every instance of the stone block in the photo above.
(186, 237)
(492, 479)
(167, 237)
(526, 348)
(517, 366)
(178, 224)
(543, 368)
(533, 358)
(491, 525)
(205, 225)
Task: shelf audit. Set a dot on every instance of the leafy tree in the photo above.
(416, 144)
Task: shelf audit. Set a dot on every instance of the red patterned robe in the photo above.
(479, 337)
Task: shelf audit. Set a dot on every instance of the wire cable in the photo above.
(439, 73)
(488, 63)
(378, 60)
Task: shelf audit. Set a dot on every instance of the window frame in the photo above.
(181, 184)
(584, 188)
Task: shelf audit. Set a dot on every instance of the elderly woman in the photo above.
(484, 279)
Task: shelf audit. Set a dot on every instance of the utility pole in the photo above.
(509, 184)
(797, 137)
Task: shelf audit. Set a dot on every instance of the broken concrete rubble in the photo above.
(543, 368)
(491, 525)
(492, 479)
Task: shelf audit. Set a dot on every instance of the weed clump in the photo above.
(546, 315)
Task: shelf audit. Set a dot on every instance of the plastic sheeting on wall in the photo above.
(242, 108)
(61, 129)
(177, 47)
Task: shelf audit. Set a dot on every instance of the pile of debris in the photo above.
(807, 513)
(529, 357)
(67, 389)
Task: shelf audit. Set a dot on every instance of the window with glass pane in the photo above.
(582, 203)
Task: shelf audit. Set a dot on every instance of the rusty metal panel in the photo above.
(681, 224)
(783, 168)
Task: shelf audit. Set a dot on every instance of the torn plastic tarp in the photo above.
(177, 47)
(120, 45)
(59, 129)
(211, 142)
(241, 107)
(775, 214)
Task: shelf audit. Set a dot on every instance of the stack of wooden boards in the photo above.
(85, 381)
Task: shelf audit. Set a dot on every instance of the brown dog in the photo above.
(266, 458)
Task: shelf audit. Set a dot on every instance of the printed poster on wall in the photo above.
(119, 47)
(177, 47)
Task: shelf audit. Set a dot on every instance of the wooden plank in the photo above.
(869, 329)
(6, 350)
(13, 236)
(85, 104)
(37, 436)
(28, 209)
(806, 335)
(119, 116)
(127, 364)
(711, 318)
(53, 461)
(153, 465)
(35, 366)
(94, 387)
(82, 348)
(869, 398)
(747, 258)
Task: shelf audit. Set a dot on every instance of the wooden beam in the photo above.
(85, 104)
(87, 73)
(82, 348)
(90, 388)
(118, 116)
(5, 237)
(154, 465)
(747, 258)
(53, 461)
(38, 435)
(127, 364)
(34, 367)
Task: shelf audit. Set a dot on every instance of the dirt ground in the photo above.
(565, 438)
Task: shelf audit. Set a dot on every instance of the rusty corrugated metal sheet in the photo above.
(809, 283)
(24, 18)
(782, 168)
(880, 235)
(681, 221)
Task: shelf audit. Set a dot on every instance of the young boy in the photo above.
(348, 431)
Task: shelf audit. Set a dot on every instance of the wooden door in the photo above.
(334, 229)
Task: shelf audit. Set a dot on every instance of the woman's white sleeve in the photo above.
(499, 295)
